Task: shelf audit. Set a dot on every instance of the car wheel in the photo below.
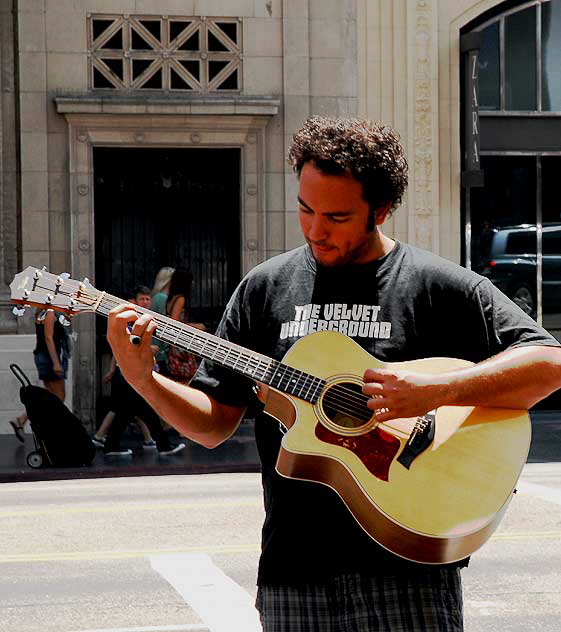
(34, 459)
(524, 298)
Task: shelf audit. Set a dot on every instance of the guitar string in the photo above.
(271, 367)
(343, 391)
(337, 394)
(358, 405)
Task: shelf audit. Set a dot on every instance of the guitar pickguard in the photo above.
(376, 449)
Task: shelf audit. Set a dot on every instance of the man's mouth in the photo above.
(321, 247)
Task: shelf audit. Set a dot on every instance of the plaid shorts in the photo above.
(430, 601)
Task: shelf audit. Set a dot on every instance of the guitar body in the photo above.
(439, 506)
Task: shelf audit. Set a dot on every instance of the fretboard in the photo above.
(227, 354)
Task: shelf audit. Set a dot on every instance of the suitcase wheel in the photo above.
(34, 459)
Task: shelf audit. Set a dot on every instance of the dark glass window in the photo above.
(489, 69)
(551, 242)
(551, 56)
(506, 202)
(520, 60)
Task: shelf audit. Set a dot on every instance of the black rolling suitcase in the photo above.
(60, 438)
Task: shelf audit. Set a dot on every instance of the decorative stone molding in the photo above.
(425, 137)
(121, 122)
(113, 104)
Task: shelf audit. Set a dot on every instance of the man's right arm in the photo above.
(193, 413)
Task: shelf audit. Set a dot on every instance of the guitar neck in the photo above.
(248, 363)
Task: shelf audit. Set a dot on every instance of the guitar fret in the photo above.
(316, 392)
(213, 354)
(163, 332)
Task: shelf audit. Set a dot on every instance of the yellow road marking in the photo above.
(224, 549)
(128, 507)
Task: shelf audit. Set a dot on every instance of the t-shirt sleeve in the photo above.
(507, 325)
(225, 385)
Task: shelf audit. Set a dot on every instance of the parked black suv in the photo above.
(511, 265)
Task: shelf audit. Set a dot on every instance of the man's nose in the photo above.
(318, 229)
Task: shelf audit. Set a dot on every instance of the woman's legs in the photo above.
(57, 387)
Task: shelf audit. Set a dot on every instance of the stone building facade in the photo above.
(77, 75)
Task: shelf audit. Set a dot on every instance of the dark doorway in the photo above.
(167, 207)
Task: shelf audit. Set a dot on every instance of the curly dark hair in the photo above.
(372, 152)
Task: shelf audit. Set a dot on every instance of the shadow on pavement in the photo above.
(238, 454)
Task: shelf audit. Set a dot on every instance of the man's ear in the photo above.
(382, 213)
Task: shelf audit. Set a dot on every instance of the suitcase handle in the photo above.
(22, 377)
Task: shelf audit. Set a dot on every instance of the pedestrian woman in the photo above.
(181, 364)
(161, 289)
(158, 304)
(51, 354)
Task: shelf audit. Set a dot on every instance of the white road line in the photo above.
(544, 492)
(221, 604)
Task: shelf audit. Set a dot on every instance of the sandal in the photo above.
(17, 429)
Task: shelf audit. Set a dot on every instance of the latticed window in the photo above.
(195, 54)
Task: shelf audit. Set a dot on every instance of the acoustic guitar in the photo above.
(431, 489)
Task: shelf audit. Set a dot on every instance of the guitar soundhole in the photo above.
(345, 405)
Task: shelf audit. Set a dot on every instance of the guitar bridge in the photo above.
(420, 439)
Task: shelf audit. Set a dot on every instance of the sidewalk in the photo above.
(238, 454)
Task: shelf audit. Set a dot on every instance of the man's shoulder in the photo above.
(429, 265)
(280, 265)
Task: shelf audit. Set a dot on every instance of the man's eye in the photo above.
(339, 220)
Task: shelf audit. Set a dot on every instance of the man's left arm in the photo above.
(516, 378)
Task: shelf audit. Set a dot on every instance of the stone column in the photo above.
(9, 166)
(423, 131)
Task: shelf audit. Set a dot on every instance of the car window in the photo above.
(521, 243)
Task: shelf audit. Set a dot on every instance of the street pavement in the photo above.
(513, 583)
(179, 553)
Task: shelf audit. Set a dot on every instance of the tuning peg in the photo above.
(18, 311)
(83, 287)
(65, 276)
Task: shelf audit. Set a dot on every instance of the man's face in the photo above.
(143, 300)
(334, 218)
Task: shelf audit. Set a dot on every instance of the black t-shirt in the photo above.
(407, 305)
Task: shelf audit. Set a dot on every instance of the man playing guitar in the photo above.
(318, 569)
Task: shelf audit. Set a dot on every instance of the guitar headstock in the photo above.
(38, 288)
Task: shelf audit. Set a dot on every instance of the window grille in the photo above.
(192, 54)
